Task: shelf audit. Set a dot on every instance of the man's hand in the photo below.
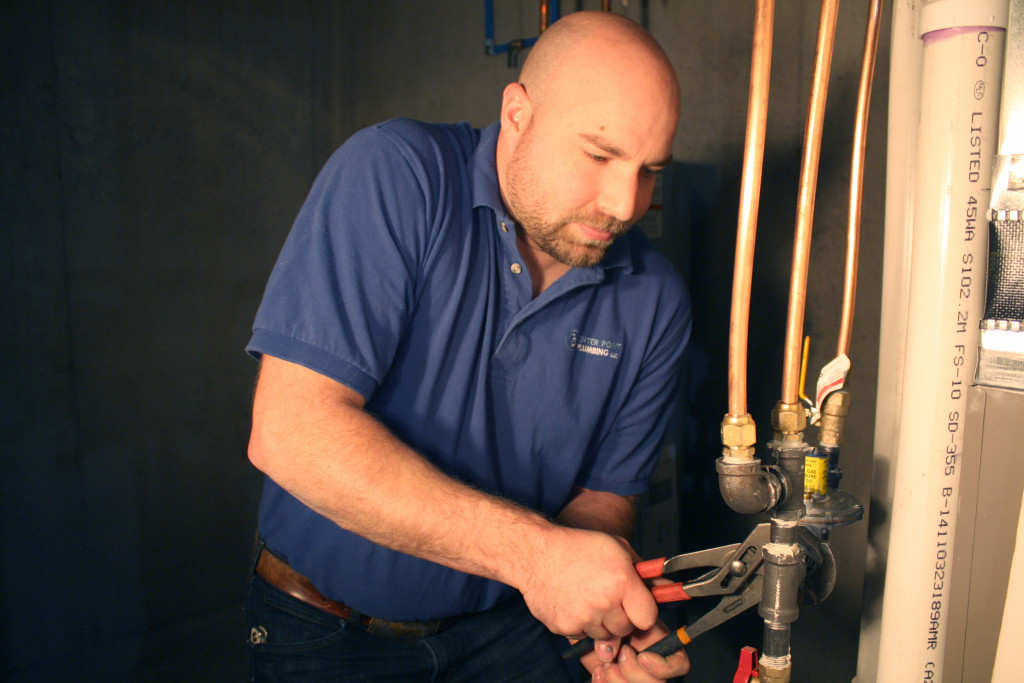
(617, 663)
(584, 583)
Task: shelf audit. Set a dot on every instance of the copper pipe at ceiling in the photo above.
(750, 191)
(867, 73)
(805, 201)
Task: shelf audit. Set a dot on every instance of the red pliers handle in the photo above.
(735, 575)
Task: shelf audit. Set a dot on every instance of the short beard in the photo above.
(554, 238)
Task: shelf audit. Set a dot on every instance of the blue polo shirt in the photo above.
(401, 279)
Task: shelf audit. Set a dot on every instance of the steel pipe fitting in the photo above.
(783, 575)
(790, 460)
(747, 487)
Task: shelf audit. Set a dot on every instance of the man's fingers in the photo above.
(640, 606)
(645, 668)
(607, 650)
(676, 664)
(618, 623)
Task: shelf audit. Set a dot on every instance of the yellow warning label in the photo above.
(815, 475)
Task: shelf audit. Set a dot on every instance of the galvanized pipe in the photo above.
(784, 567)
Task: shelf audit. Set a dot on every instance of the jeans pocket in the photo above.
(281, 624)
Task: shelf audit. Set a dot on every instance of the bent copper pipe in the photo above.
(805, 201)
(750, 191)
(867, 73)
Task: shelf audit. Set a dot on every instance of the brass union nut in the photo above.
(837, 403)
(789, 418)
(738, 432)
(833, 418)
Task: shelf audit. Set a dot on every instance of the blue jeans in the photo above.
(292, 641)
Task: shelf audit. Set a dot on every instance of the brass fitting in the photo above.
(789, 420)
(739, 433)
(770, 673)
(833, 418)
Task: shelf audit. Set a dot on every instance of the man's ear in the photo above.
(516, 110)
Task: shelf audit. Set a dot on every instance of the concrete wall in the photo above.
(154, 156)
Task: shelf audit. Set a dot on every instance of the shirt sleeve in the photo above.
(340, 293)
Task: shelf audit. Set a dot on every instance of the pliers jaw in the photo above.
(732, 566)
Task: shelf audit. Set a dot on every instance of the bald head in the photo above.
(602, 45)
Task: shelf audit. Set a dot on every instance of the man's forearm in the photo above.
(600, 511)
(313, 438)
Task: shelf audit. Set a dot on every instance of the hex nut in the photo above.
(789, 418)
(739, 436)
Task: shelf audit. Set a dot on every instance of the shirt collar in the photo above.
(486, 192)
(484, 173)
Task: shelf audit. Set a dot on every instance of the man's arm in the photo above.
(311, 435)
(600, 511)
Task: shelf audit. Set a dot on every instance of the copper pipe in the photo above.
(805, 200)
(750, 192)
(606, 5)
(867, 73)
(543, 15)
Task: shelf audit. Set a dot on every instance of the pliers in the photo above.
(736, 575)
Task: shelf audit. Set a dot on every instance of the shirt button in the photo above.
(504, 227)
(516, 268)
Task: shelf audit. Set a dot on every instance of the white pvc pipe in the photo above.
(960, 83)
(901, 152)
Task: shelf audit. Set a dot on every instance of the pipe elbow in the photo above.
(746, 487)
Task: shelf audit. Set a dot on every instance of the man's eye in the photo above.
(597, 157)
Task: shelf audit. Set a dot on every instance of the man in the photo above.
(467, 367)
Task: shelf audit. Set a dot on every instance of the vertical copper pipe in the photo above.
(606, 5)
(805, 200)
(860, 133)
(750, 192)
(543, 15)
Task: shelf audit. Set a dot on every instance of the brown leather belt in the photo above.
(281, 576)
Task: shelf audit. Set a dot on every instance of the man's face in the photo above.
(581, 176)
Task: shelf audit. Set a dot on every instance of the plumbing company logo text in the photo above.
(595, 347)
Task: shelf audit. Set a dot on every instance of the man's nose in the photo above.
(620, 197)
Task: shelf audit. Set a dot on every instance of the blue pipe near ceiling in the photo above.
(554, 13)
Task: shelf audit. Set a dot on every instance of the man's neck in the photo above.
(544, 269)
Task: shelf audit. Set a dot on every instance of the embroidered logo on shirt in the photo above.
(592, 345)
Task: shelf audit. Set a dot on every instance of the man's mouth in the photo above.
(595, 234)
